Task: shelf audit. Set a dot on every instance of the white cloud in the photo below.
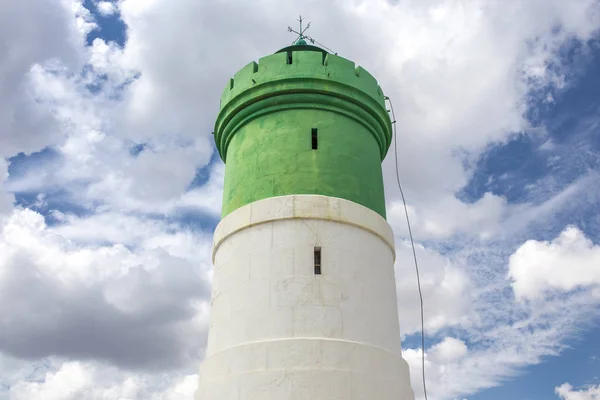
(208, 197)
(448, 351)
(49, 35)
(137, 306)
(78, 380)
(454, 95)
(106, 8)
(496, 351)
(443, 217)
(445, 290)
(566, 392)
(491, 218)
(154, 180)
(6, 199)
(504, 335)
(460, 74)
(568, 262)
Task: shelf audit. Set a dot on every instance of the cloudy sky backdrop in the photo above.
(110, 186)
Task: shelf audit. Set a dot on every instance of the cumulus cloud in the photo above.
(78, 380)
(569, 261)
(498, 351)
(99, 156)
(446, 216)
(139, 308)
(106, 8)
(123, 282)
(566, 392)
(472, 297)
(460, 75)
(445, 287)
(441, 363)
(451, 95)
(455, 95)
(6, 199)
(50, 35)
(207, 197)
(449, 350)
(97, 168)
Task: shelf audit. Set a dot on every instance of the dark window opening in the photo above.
(317, 261)
(315, 142)
(289, 57)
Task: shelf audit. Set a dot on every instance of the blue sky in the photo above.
(113, 188)
(567, 121)
(578, 365)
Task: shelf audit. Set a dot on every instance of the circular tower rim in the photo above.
(328, 76)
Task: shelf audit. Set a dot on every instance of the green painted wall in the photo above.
(263, 131)
(273, 156)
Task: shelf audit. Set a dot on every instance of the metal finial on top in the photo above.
(301, 37)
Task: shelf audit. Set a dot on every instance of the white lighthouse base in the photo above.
(280, 330)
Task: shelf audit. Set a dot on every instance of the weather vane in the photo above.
(302, 38)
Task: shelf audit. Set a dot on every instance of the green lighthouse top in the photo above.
(300, 70)
(303, 121)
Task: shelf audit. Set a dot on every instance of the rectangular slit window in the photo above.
(289, 57)
(317, 261)
(315, 140)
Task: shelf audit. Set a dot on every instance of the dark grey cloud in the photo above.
(33, 32)
(137, 316)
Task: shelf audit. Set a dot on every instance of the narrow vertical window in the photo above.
(317, 261)
(315, 140)
(289, 57)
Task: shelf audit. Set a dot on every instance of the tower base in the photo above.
(288, 325)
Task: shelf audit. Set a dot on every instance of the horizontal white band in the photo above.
(303, 207)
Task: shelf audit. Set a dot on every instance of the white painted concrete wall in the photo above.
(280, 332)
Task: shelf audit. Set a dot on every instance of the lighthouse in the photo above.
(303, 304)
